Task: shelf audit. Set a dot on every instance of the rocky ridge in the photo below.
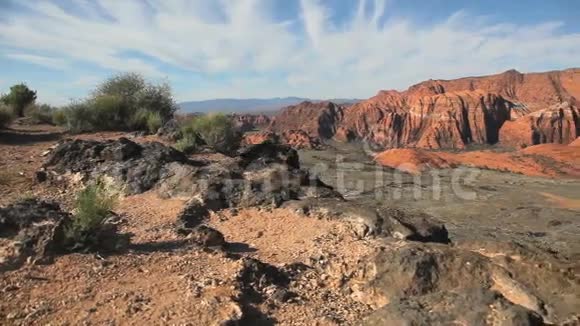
(437, 114)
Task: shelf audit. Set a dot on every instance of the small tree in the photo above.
(20, 97)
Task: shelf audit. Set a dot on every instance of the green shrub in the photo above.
(216, 130)
(79, 117)
(109, 112)
(6, 116)
(19, 98)
(123, 102)
(93, 205)
(188, 144)
(40, 113)
(154, 121)
(59, 117)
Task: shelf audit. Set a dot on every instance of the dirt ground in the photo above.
(163, 279)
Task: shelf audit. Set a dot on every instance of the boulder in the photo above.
(411, 226)
(468, 307)
(134, 167)
(35, 228)
(416, 277)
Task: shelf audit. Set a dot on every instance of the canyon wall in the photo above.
(511, 108)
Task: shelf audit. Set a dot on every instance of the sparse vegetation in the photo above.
(40, 113)
(188, 144)
(93, 206)
(5, 116)
(216, 130)
(19, 98)
(124, 102)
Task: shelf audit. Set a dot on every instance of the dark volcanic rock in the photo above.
(136, 167)
(262, 155)
(256, 277)
(468, 307)
(208, 237)
(412, 226)
(37, 227)
(436, 284)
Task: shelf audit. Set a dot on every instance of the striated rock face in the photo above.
(536, 90)
(532, 108)
(317, 120)
(448, 120)
(559, 123)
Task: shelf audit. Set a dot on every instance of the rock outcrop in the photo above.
(559, 124)
(532, 108)
(135, 167)
(547, 160)
(297, 139)
(317, 120)
(440, 285)
(449, 120)
(35, 229)
(535, 90)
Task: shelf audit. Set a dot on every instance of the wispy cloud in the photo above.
(308, 55)
(54, 63)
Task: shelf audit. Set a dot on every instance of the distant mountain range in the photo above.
(228, 105)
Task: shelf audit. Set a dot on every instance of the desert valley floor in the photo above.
(509, 252)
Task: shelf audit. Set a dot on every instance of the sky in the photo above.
(276, 48)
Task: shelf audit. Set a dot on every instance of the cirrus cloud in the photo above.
(242, 47)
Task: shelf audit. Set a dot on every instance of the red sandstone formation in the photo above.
(295, 138)
(512, 108)
(541, 160)
(535, 90)
(317, 120)
(448, 120)
(259, 137)
(556, 124)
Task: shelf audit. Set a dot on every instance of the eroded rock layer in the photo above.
(532, 108)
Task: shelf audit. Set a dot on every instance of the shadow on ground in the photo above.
(24, 137)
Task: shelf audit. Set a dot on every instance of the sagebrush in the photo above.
(216, 130)
(126, 102)
(93, 205)
(6, 116)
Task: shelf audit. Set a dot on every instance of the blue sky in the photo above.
(268, 48)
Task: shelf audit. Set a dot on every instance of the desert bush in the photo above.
(59, 117)
(6, 116)
(78, 117)
(154, 122)
(40, 113)
(19, 98)
(216, 130)
(146, 120)
(93, 205)
(189, 143)
(108, 112)
(125, 102)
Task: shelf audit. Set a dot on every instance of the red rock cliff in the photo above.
(522, 108)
